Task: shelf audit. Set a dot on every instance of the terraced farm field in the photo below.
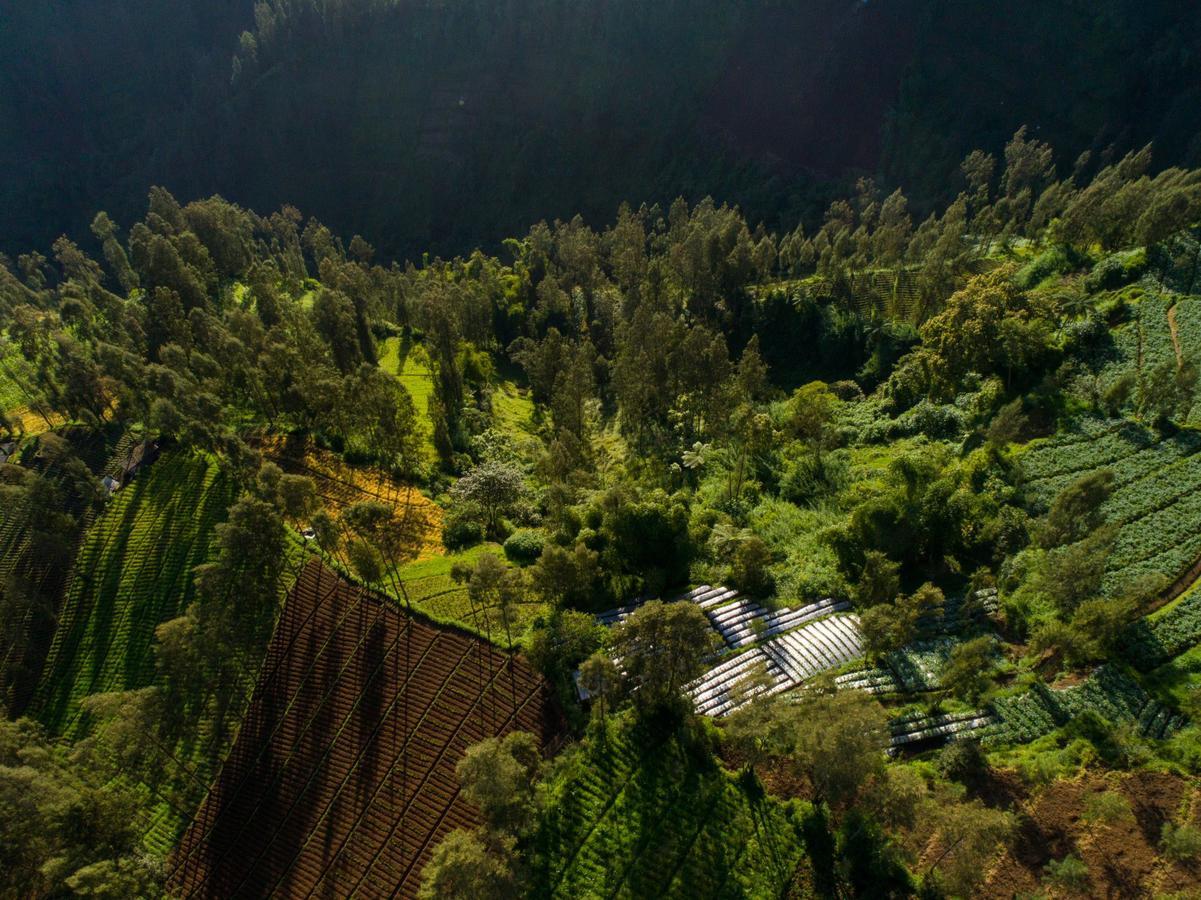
(1166, 633)
(1157, 498)
(417, 528)
(1163, 328)
(133, 571)
(634, 818)
(1113, 695)
(342, 778)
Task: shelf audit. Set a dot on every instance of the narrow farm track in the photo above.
(342, 778)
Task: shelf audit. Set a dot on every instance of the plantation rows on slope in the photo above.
(342, 778)
(1164, 329)
(1156, 503)
(635, 817)
(133, 572)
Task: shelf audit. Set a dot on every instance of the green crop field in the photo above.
(1108, 692)
(431, 590)
(632, 819)
(1146, 340)
(1166, 633)
(1156, 503)
(134, 571)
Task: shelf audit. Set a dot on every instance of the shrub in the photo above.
(1069, 873)
(1181, 843)
(462, 527)
(1117, 270)
(962, 761)
(1054, 261)
(1107, 808)
(524, 545)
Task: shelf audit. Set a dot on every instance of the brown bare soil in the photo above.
(342, 779)
(1123, 857)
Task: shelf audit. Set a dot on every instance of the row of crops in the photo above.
(634, 817)
(133, 571)
(343, 770)
(1108, 692)
(1156, 503)
(1145, 342)
(1154, 640)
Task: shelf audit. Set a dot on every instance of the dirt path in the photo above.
(1177, 587)
(1175, 336)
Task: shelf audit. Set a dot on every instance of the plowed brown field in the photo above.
(342, 779)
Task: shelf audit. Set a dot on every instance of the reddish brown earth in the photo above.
(342, 779)
(1123, 858)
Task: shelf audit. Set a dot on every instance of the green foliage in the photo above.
(662, 647)
(970, 668)
(133, 571)
(524, 545)
(1181, 843)
(1069, 873)
(65, 828)
(1153, 503)
(634, 815)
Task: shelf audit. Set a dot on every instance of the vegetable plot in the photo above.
(342, 779)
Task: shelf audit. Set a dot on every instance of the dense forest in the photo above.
(924, 487)
(442, 126)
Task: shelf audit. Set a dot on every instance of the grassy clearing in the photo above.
(636, 815)
(16, 380)
(512, 408)
(410, 364)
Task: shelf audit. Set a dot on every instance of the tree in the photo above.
(1073, 574)
(238, 589)
(1166, 392)
(751, 568)
(496, 486)
(601, 678)
(497, 775)
(989, 327)
(968, 672)
(1076, 510)
(969, 836)
(837, 741)
(565, 640)
(491, 585)
(890, 626)
(662, 647)
(462, 867)
(810, 411)
(381, 417)
(879, 581)
(565, 577)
